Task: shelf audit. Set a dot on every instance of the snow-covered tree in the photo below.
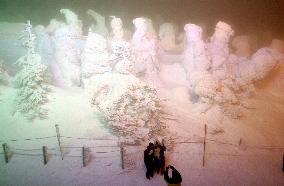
(30, 80)
(131, 108)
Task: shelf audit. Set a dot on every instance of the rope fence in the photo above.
(212, 141)
(28, 139)
(119, 148)
(68, 137)
(47, 152)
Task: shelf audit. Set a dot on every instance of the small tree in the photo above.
(32, 93)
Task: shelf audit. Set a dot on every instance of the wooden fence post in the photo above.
(5, 150)
(122, 155)
(283, 164)
(44, 152)
(204, 145)
(58, 139)
(84, 156)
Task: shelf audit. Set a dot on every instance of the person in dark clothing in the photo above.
(175, 179)
(149, 160)
(159, 157)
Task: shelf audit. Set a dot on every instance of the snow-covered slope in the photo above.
(225, 164)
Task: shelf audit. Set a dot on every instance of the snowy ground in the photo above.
(252, 163)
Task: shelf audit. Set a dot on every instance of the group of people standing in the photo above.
(154, 159)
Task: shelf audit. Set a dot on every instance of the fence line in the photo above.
(102, 139)
(81, 138)
(75, 156)
(69, 137)
(85, 150)
(181, 142)
(23, 154)
(24, 149)
(199, 142)
(28, 139)
(120, 148)
(221, 142)
(28, 150)
(232, 144)
(100, 152)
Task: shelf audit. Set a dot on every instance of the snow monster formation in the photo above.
(120, 48)
(241, 46)
(95, 58)
(216, 77)
(170, 56)
(99, 26)
(66, 52)
(130, 107)
(167, 38)
(30, 81)
(144, 46)
(44, 44)
(72, 21)
(196, 63)
(219, 51)
(246, 71)
(195, 57)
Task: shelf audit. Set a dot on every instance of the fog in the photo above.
(247, 17)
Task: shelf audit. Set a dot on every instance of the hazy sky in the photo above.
(245, 15)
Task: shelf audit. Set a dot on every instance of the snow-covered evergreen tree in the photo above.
(30, 80)
(131, 108)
